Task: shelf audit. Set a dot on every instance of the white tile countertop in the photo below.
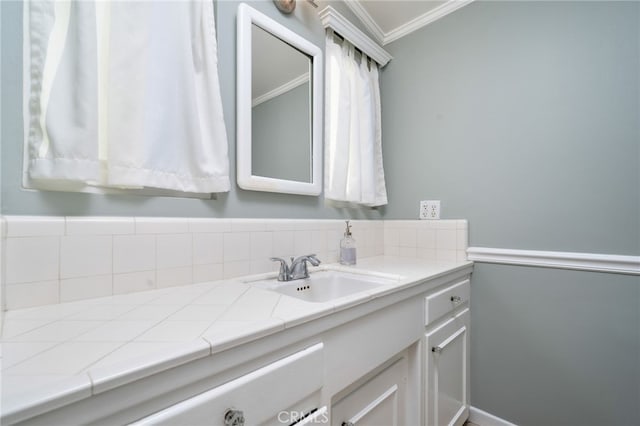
(57, 354)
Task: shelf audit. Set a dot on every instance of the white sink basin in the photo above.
(324, 286)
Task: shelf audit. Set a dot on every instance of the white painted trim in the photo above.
(415, 24)
(425, 19)
(245, 177)
(483, 418)
(555, 259)
(332, 19)
(290, 85)
(366, 19)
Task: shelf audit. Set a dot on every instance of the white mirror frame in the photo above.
(246, 180)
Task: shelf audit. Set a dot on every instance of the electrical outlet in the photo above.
(430, 209)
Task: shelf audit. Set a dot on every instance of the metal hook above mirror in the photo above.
(285, 6)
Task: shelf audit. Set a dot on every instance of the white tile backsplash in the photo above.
(446, 255)
(174, 250)
(237, 246)
(132, 253)
(32, 259)
(25, 295)
(427, 238)
(86, 287)
(134, 281)
(211, 272)
(236, 268)
(204, 225)
(85, 256)
(34, 226)
(248, 225)
(173, 277)
(55, 259)
(161, 225)
(446, 239)
(302, 242)
(100, 226)
(208, 248)
(432, 240)
(407, 238)
(261, 266)
(261, 245)
(318, 242)
(283, 244)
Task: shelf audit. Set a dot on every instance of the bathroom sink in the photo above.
(325, 285)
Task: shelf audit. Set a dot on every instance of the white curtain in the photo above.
(124, 94)
(353, 140)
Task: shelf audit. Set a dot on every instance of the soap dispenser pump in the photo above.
(348, 248)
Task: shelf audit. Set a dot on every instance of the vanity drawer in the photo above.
(446, 300)
(290, 385)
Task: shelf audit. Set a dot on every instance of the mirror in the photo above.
(280, 109)
(279, 92)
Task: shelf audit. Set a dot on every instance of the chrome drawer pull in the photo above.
(454, 336)
(456, 299)
(233, 417)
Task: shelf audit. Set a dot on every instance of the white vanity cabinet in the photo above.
(446, 354)
(277, 393)
(399, 358)
(372, 369)
(380, 400)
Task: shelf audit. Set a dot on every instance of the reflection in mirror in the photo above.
(281, 109)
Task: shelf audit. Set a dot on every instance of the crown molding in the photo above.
(366, 19)
(385, 38)
(290, 85)
(555, 259)
(425, 19)
(332, 19)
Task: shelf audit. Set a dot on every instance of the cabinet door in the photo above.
(274, 394)
(447, 372)
(380, 401)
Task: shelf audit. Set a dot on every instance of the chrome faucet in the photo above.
(298, 269)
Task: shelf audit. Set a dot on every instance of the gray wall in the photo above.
(236, 203)
(524, 118)
(555, 347)
(281, 136)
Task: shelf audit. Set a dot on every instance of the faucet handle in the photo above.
(308, 257)
(313, 259)
(283, 274)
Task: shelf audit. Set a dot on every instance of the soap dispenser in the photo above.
(348, 248)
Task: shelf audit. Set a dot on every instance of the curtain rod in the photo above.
(344, 28)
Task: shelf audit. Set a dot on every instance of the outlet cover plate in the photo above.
(430, 209)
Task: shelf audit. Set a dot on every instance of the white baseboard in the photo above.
(482, 418)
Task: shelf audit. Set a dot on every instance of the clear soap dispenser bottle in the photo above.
(348, 248)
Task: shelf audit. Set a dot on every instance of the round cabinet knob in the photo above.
(233, 417)
(456, 299)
